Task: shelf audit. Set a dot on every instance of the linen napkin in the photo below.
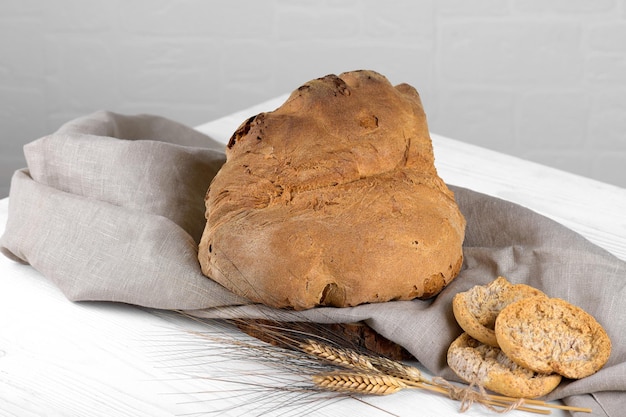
(111, 208)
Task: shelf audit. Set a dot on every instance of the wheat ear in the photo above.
(352, 359)
(398, 369)
(363, 383)
(343, 357)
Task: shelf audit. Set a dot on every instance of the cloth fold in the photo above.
(118, 217)
(111, 208)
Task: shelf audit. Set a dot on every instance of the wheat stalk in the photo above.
(381, 384)
(398, 369)
(378, 375)
(352, 359)
(362, 383)
(356, 372)
(343, 357)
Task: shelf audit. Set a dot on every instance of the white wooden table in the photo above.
(59, 358)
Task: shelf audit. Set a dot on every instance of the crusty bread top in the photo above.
(476, 309)
(333, 199)
(551, 335)
(487, 366)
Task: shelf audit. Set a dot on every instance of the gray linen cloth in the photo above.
(111, 208)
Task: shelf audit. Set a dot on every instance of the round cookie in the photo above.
(476, 309)
(488, 366)
(551, 335)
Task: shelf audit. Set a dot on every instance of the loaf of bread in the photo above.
(551, 335)
(333, 199)
(487, 366)
(476, 309)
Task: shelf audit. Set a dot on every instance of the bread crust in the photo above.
(551, 335)
(488, 366)
(333, 199)
(476, 309)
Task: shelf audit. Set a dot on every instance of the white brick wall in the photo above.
(541, 79)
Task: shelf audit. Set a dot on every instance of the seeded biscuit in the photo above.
(488, 366)
(476, 309)
(551, 335)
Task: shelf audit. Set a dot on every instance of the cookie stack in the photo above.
(519, 342)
